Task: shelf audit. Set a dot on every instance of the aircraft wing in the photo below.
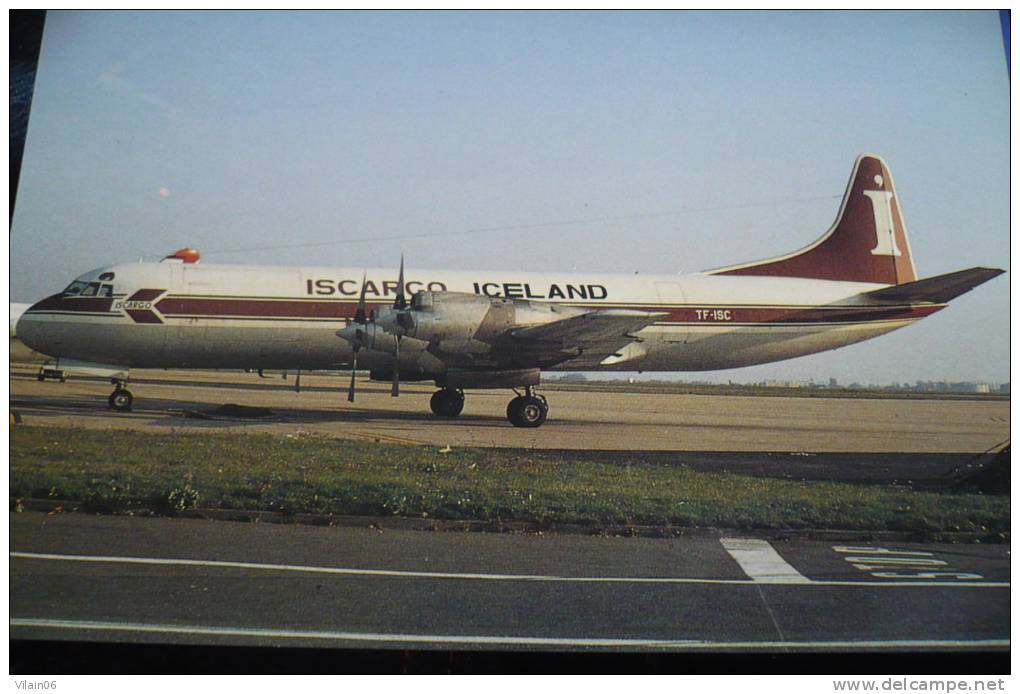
(592, 336)
(938, 290)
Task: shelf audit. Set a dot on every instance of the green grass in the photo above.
(116, 471)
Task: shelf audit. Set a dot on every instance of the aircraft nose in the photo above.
(38, 332)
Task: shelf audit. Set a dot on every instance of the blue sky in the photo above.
(663, 141)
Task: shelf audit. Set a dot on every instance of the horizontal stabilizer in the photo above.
(937, 290)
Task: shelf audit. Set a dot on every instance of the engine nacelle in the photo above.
(462, 323)
(453, 317)
(373, 337)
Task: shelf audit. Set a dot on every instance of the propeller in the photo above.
(359, 319)
(396, 322)
(399, 304)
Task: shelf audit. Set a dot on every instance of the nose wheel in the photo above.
(447, 402)
(528, 411)
(120, 399)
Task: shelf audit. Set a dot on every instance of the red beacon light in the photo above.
(185, 255)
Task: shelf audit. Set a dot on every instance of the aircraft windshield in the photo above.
(78, 288)
(75, 287)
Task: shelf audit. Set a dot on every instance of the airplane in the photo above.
(478, 329)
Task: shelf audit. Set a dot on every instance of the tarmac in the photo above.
(177, 581)
(949, 430)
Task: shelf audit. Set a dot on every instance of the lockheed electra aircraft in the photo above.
(467, 330)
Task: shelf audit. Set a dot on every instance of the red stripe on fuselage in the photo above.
(712, 314)
(255, 308)
(143, 316)
(145, 294)
(745, 314)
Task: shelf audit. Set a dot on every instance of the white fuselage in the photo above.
(174, 314)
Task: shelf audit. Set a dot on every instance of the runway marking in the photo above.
(538, 578)
(882, 562)
(200, 630)
(761, 562)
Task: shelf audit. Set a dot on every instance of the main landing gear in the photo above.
(528, 410)
(120, 399)
(447, 402)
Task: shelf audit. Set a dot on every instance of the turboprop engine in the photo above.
(374, 336)
(462, 326)
(462, 323)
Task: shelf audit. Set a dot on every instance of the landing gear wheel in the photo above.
(527, 411)
(120, 400)
(447, 402)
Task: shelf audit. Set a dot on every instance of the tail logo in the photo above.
(885, 234)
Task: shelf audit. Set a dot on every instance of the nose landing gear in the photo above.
(528, 410)
(120, 399)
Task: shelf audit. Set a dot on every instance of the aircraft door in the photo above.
(183, 335)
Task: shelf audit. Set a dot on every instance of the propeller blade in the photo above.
(395, 390)
(400, 303)
(354, 367)
(359, 314)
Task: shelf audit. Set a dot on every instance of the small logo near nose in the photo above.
(139, 306)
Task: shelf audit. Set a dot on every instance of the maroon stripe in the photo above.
(694, 314)
(143, 316)
(254, 308)
(145, 294)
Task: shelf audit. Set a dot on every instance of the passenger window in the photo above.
(105, 290)
(91, 289)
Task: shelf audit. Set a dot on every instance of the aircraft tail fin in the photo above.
(938, 290)
(867, 242)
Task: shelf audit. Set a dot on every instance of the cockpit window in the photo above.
(75, 287)
(78, 288)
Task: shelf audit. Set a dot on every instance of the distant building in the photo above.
(572, 378)
(969, 387)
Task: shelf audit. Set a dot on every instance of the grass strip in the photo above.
(117, 471)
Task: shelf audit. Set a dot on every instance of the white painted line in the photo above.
(393, 573)
(477, 640)
(761, 562)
